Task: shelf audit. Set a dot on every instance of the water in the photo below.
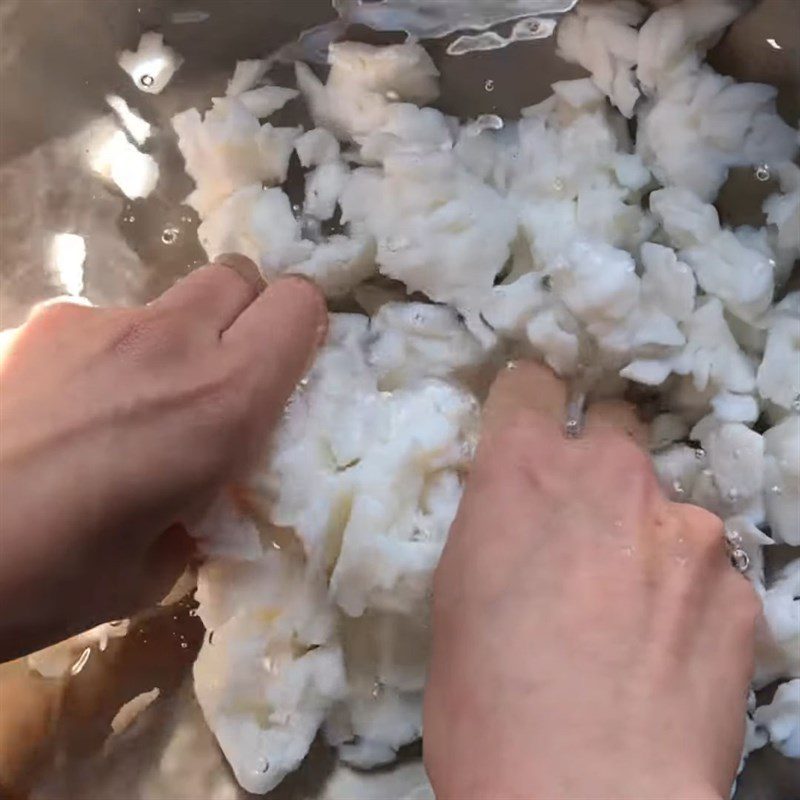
(576, 411)
(489, 85)
(189, 17)
(170, 235)
(435, 18)
(147, 80)
(763, 173)
(423, 19)
(524, 30)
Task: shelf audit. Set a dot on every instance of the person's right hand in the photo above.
(590, 638)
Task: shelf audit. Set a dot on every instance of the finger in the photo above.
(281, 332)
(616, 416)
(526, 385)
(215, 294)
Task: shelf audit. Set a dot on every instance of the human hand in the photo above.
(590, 638)
(119, 426)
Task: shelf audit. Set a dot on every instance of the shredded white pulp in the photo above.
(558, 236)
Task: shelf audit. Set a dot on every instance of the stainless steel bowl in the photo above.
(57, 64)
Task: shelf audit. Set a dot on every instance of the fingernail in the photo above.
(244, 267)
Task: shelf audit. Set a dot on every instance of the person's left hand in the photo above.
(119, 426)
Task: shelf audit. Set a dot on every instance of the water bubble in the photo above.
(734, 538)
(699, 453)
(776, 490)
(573, 428)
(558, 185)
(740, 559)
(732, 495)
(762, 172)
(511, 365)
(170, 235)
(489, 85)
(677, 487)
(184, 645)
(531, 25)
(147, 80)
(392, 95)
(377, 689)
(296, 208)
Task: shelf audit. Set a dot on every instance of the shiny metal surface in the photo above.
(57, 63)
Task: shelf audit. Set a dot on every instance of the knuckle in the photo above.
(705, 531)
(144, 333)
(518, 436)
(622, 463)
(59, 313)
(511, 446)
(630, 459)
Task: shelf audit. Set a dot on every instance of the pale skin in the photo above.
(590, 638)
